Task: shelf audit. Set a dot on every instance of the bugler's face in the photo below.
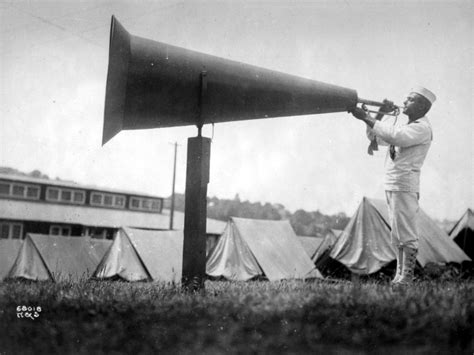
(412, 104)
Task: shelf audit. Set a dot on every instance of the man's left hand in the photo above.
(358, 113)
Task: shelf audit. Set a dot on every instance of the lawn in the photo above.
(98, 317)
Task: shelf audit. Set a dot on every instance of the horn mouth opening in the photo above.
(116, 86)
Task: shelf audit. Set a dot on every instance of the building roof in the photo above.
(95, 216)
(69, 184)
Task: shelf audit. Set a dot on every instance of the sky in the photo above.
(53, 69)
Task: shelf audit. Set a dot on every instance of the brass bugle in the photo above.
(394, 109)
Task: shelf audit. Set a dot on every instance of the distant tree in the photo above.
(302, 217)
(270, 212)
(38, 174)
(11, 171)
(303, 222)
(339, 221)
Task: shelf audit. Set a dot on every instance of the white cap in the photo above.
(424, 92)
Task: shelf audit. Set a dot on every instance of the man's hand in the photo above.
(358, 113)
(387, 106)
(362, 115)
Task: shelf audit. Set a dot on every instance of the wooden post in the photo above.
(173, 186)
(195, 213)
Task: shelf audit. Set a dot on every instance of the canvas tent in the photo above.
(326, 245)
(8, 251)
(310, 244)
(48, 257)
(251, 247)
(143, 255)
(463, 233)
(364, 246)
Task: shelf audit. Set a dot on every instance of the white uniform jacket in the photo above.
(412, 142)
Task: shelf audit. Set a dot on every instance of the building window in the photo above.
(100, 233)
(5, 230)
(134, 203)
(65, 195)
(145, 204)
(79, 196)
(64, 231)
(10, 230)
(156, 205)
(17, 230)
(107, 200)
(96, 199)
(119, 201)
(19, 190)
(97, 233)
(52, 194)
(4, 188)
(33, 192)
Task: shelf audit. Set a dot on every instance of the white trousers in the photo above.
(403, 218)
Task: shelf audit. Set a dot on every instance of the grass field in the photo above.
(314, 317)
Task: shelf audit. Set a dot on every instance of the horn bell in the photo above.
(154, 85)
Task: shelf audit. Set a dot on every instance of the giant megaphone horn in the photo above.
(152, 84)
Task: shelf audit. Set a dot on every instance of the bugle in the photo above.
(394, 110)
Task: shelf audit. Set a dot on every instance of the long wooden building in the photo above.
(55, 207)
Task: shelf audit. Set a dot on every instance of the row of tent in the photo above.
(246, 249)
(47, 257)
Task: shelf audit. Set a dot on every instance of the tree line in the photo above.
(304, 223)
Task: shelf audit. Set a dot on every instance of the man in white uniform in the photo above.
(409, 144)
